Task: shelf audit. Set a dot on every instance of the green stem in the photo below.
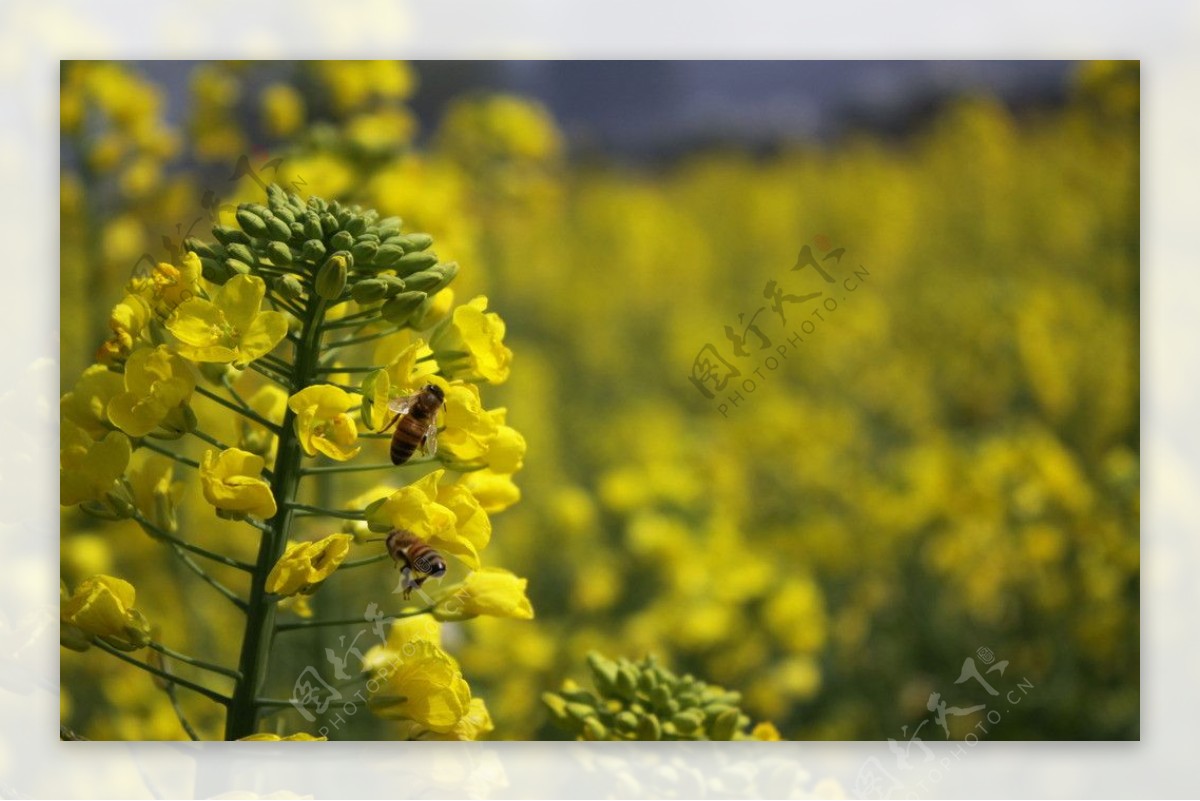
(341, 514)
(207, 579)
(366, 560)
(158, 533)
(271, 374)
(326, 370)
(147, 443)
(349, 621)
(209, 438)
(244, 409)
(162, 674)
(346, 468)
(253, 662)
(193, 661)
(342, 343)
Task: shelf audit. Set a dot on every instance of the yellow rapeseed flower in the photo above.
(90, 467)
(494, 491)
(86, 405)
(304, 565)
(470, 344)
(155, 491)
(158, 384)
(488, 591)
(471, 726)
(470, 428)
(299, 737)
(270, 401)
(102, 606)
(283, 109)
(322, 423)
(423, 684)
(126, 321)
(232, 482)
(229, 328)
(449, 518)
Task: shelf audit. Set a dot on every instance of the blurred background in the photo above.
(947, 463)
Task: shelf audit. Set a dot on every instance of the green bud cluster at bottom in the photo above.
(645, 701)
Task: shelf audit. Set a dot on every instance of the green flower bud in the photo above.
(394, 285)
(369, 291)
(252, 224)
(121, 501)
(627, 721)
(200, 248)
(289, 287)
(312, 226)
(387, 256)
(278, 230)
(593, 730)
(329, 224)
(398, 309)
(240, 252)
(364, 251)
(413, 243)
(331, 278)
(557, 707)
(423, 281)
(412, 262)
(626, 682)
(649, 728)
(227, 235)
(237, 267)
(389, 226)
(689, 721)
(342, 240)
(280, 253)
(215, 271)
(356, 226)
(298, 232)
(581, 712)
(277, 196)
(282, 212)
(604, 673)
(724, 725)
(313, 251)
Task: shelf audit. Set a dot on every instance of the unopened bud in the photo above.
(227, 235)
(369, 291)
(342, 240)
(397, 310)
(251, 223)
(289, 287)
(313, 251)
(412, 262)
(280, 253)
(331, 278)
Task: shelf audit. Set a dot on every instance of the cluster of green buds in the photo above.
(340, 252)
(645, 701)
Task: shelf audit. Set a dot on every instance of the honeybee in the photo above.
(416, 423)
(417, 560)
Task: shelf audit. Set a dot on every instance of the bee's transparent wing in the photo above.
(429, 442)
(401, 405)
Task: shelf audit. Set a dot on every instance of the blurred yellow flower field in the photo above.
(827, 442)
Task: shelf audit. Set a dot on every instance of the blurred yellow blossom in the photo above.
(90, 467)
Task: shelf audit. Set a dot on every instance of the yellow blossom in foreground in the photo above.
(229, 328)
(90, 467)
(469, 429)
(471, 726)
(102, 606)
(299, 737)
(322, 423)
(488, 591)
(423, 684)
(448, 518)
(157, 385)
(232, 482)
(470, 344)
(304, 565)
(410, 370)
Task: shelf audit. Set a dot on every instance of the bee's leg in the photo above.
(392, 423)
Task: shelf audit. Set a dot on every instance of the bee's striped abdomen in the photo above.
(410, 430)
